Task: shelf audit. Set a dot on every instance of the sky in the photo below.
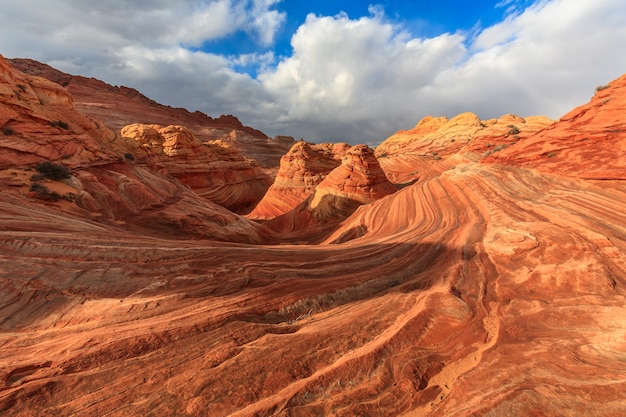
(341, 71)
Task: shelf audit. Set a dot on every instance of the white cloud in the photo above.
(347, 79)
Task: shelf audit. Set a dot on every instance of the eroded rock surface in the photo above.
(301, 170)
(486, 288)
(214, 170)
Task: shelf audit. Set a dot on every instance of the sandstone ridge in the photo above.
(486, 282)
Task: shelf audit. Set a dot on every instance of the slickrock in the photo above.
(588, 142)
(358, 180)
(41, 124)
(121, 106)
(38, 121)
(408, 153)
(213, 170)
(301, 170)
(483, 289)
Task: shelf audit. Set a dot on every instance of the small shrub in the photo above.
(22, 87)
(513, 130)
(494, 150)
(551, 155)
(452, 140)
(44, 193)
(129, 156)
(39, 188)
(602, 87)
(59, 123)
(51, 171)
(7, 131)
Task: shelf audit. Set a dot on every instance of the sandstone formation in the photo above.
(40, 123)
(358, 180)
(495, 285)
(213, 170)
(301, 170)
(121, 106)
(408, 153)
(588, 142)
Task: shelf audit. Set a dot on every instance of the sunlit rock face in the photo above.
(213, 170)
(485, 285)
(301, 170)
(356, 181)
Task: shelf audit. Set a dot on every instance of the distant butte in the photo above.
(464, 267)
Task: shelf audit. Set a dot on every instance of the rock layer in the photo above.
(301, 170)
(213, 170)
(588, 142)
(358, 180)
(493, 288)
(121, 106)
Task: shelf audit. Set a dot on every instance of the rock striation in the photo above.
(121, 106)
(434, 140)
(301, 170)
(358, 180)
(213, 170)
(494, 285)
(40, 124)
(588, 142)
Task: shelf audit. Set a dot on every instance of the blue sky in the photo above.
(353, 71)
(419, 18)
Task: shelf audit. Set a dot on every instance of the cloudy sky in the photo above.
(325, 70)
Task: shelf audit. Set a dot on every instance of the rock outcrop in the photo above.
(301, 170)
(493, 286)
(408, 154)
(588, 142)
(213, 170)
(40, 124)
(121, 106)
(358, 180)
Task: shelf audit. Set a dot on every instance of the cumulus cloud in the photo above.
(356, 80)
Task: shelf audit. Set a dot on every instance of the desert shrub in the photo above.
(59, 123)
(129, 156)
(51, 171)
(21, 87)
(452, 140)
(7, 131)
(602, 87)
(498, 148)
(44, 193)
(513, 130)
(39, 188)
(551, 155)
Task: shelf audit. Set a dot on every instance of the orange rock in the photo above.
(213, 170)
(122, 106)
(482, 289)
(301, 170)
(588, 142)
(358, 180)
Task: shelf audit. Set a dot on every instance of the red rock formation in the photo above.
(489, 289)
(213, 170)
(40, 124)
(358, 180)
(408, 153)
(588, 142)
(121, 106)
(301, 170)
